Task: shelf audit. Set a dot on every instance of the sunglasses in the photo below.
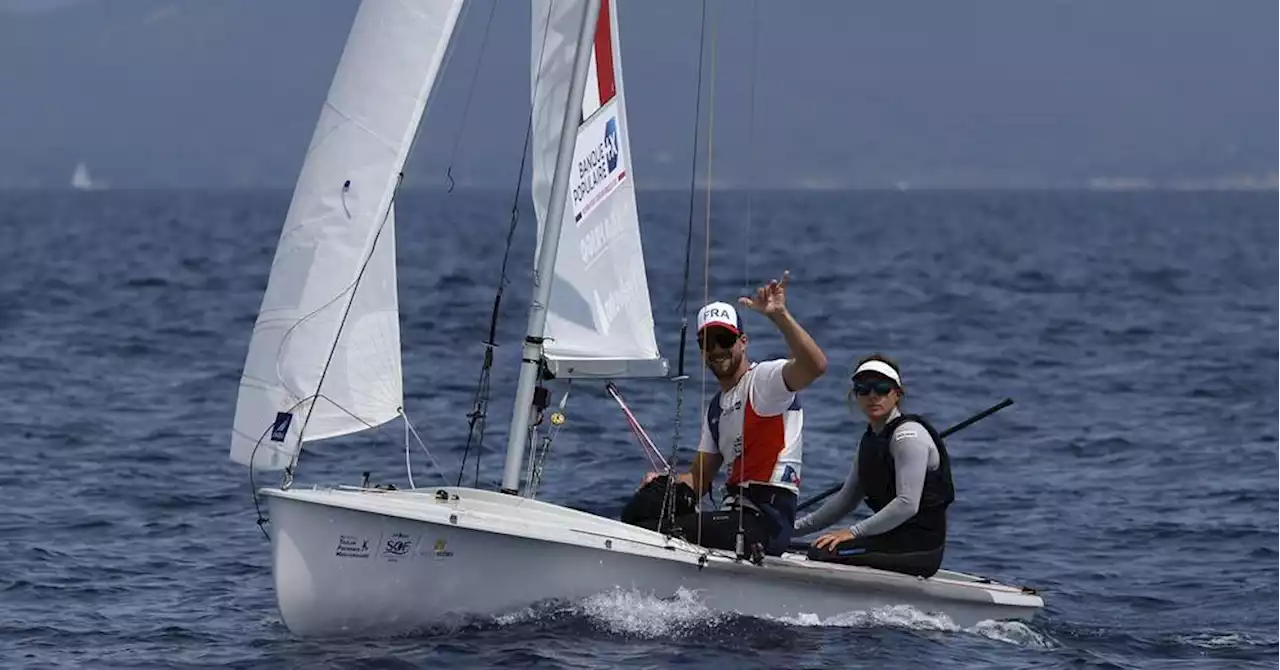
(720, 338)
(881, 387)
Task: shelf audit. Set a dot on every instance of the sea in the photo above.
(1132, 482)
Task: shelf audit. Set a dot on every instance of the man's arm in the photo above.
(706, 462)
(702, 472)
(807, 360)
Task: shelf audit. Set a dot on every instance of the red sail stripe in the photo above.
(604, 55)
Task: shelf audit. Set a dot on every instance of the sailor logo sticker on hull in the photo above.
(398, 547)
(352, 546)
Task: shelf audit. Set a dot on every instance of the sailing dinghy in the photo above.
(324, 361)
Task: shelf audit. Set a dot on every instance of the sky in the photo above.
(807, 93)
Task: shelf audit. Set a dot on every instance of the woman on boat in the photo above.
(903, 473)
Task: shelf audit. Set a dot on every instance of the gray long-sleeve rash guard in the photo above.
(913, 454)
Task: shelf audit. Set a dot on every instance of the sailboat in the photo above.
(324, 361)
(81, 181)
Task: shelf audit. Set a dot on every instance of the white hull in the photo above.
(358, 561)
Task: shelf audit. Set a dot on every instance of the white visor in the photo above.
(879, 367)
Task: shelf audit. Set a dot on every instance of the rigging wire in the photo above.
(480, 403)
(262, 519)
(683, 306)
(346, 312)
(751, 145)
(471, 82)
(706, 254)
(693, 176)
(408, 463)
(744, 486)
(681, 376)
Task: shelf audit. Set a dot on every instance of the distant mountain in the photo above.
(931, 93)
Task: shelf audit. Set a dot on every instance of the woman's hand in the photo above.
(830, 540)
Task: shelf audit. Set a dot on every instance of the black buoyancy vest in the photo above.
(876, 475)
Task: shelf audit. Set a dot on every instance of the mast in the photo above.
(531, 354)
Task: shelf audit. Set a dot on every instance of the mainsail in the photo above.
(599, 319)
(325, 350)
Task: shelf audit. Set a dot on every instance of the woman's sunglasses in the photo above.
(720, 338)
(882, 387)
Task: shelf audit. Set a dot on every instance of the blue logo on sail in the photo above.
(280, 428)
(611, 142)
(596, 164)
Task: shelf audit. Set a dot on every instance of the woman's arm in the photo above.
(834, 509)
(910, 451)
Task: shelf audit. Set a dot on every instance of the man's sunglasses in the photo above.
(881, 387)
(721, 338)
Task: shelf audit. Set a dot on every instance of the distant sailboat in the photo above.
(81, 181)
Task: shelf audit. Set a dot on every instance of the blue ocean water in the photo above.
(1133, 482)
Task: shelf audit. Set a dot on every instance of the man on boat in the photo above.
(902, 471)
(754, 422)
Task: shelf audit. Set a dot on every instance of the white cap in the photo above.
(719, 314)
(879, 367)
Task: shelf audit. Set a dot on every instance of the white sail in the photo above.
(325, 351)
(81, 181)
(80, 178)
(599, 318)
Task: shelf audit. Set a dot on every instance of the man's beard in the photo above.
(723, 366)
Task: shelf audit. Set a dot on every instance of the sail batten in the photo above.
(325, 349)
